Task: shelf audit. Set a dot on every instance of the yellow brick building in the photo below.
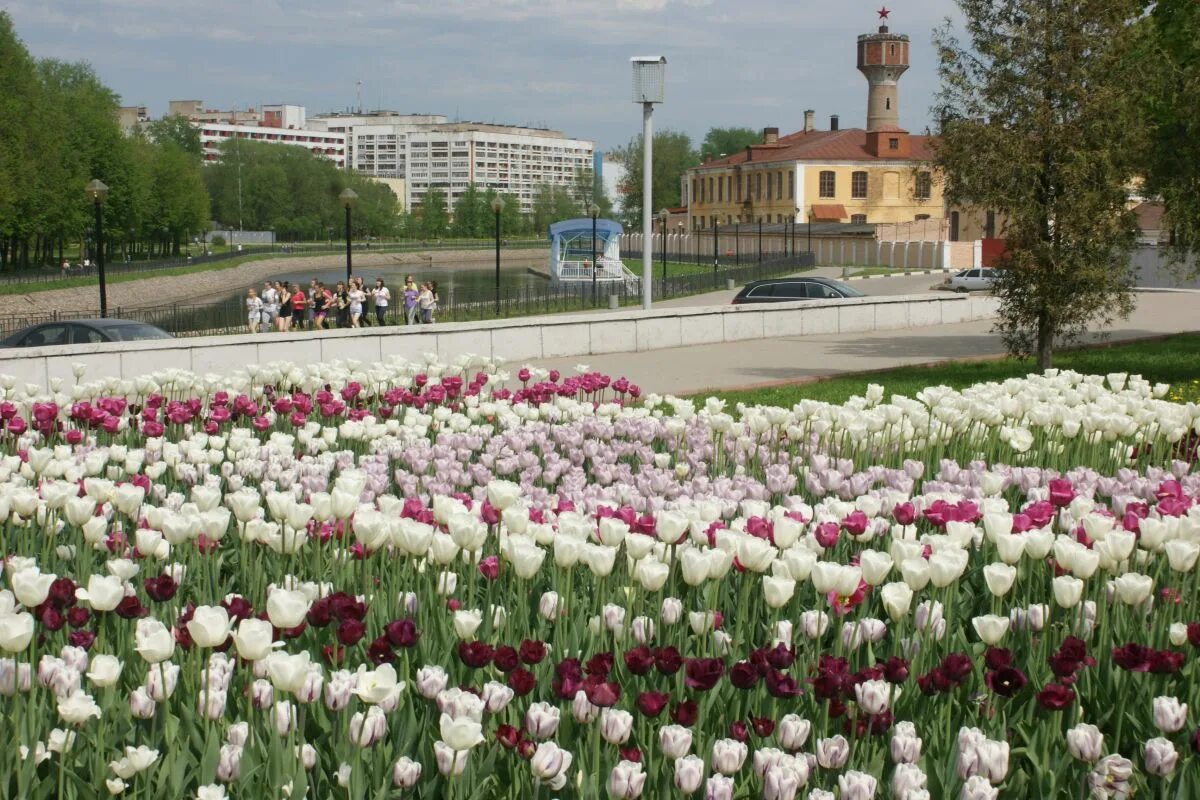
(875, 175)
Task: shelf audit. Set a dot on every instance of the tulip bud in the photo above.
(906, 779)
(675, 741)
(450, 760)
(672, 611)
(541, 720)
(548, 606)
(615, 725)
(793, 732)
(1085, 742)
(626, 781)
(582, 709)
(855, 785)
(1161, 757)
(976, 787)
(905, 744)
(728, 756)
(1169, 714)
(406, 773)
(689, 774)
(832, 753)
(229, 767)
(719, 787)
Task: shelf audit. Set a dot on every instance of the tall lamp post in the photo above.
(663, 216)
(649, 77)
(593, 212)
(348, 196)
(716, 254)
(96, 192)
(497, 207)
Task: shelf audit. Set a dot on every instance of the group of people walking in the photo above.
(348, 304)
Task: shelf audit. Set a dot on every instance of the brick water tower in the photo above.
(883, 58)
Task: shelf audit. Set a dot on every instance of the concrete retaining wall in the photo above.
(516, 340)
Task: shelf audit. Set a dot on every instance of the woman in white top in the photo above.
(425, 303)
(270, 307)
(254, 310)
(383, 298)
(357, 298)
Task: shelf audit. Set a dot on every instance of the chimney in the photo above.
(749, 153)
(770, 135)
(833, 122)
(809, 124)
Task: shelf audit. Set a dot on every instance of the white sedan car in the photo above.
(972, 280)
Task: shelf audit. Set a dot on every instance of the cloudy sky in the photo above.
(557, 63)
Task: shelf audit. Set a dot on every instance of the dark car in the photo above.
(83, 331)
(786, 290)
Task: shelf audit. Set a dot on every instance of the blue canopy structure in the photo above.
(571, 249)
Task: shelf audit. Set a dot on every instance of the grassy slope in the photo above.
(1174, 360)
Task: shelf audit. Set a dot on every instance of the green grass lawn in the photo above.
(863, 272)
(1174, 360)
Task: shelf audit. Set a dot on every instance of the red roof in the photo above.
(848, 144)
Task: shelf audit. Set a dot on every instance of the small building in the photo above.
(875, 175)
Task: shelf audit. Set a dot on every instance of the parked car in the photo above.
(973, 280)
(83, 331)
(785, 290)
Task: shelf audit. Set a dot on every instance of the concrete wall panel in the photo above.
(659, 334)
(742, 325)
(560, 340)
(518, 344)
(613, 336)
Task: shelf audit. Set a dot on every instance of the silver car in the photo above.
(974, 280)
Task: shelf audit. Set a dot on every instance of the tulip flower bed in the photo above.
(444, 581)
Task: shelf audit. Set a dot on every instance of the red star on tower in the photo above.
(883, 12)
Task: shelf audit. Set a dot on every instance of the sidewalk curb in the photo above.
(900, 274)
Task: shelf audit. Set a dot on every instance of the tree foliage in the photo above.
(262, 186)
(672, 154)
(175, 129)
(1172, 161)
(1039, 125)
(58, 131)
(720, 142)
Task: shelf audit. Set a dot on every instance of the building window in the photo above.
(858, 185)
(828, 183)
(887, 104)
(858, 219)
(710, 190)
(770, 181)
(729, 187)
(739, 190)
(721, 190)
(695, 191)
(924, 185)
(893, 144)
(954, 226)
(758, 186)
(791, 185)
(922, 217)
(989, 225)
(779, 187)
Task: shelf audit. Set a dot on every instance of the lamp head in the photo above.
(497, 205)
(96, 191)
(348, 197)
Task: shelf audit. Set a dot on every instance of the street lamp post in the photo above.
(716, 254)
(810, 231)
(663, 215)
(593, 212)
(348, 196)
(96, 192)
(497, 207)
(649, 77)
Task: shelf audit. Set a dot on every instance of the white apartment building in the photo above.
(323, 143)
(510, 160)
(376, 140)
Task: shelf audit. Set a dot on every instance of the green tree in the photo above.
(1172, 160)
(672, 155)
(472, 214)
(175, 129)
(1039, 125)
(434, 218)
(720, 142)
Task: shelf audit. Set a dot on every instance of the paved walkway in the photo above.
(795, 358)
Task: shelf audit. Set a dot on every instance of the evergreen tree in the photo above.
(1040, 126)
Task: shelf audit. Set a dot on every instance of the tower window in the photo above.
(888, 104)
(858, 185)
(828, 183)
(924, 185)
(893, 144)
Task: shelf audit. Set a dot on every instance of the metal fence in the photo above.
(229, 316)
(52, 274)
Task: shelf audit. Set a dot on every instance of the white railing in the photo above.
(606, 269)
